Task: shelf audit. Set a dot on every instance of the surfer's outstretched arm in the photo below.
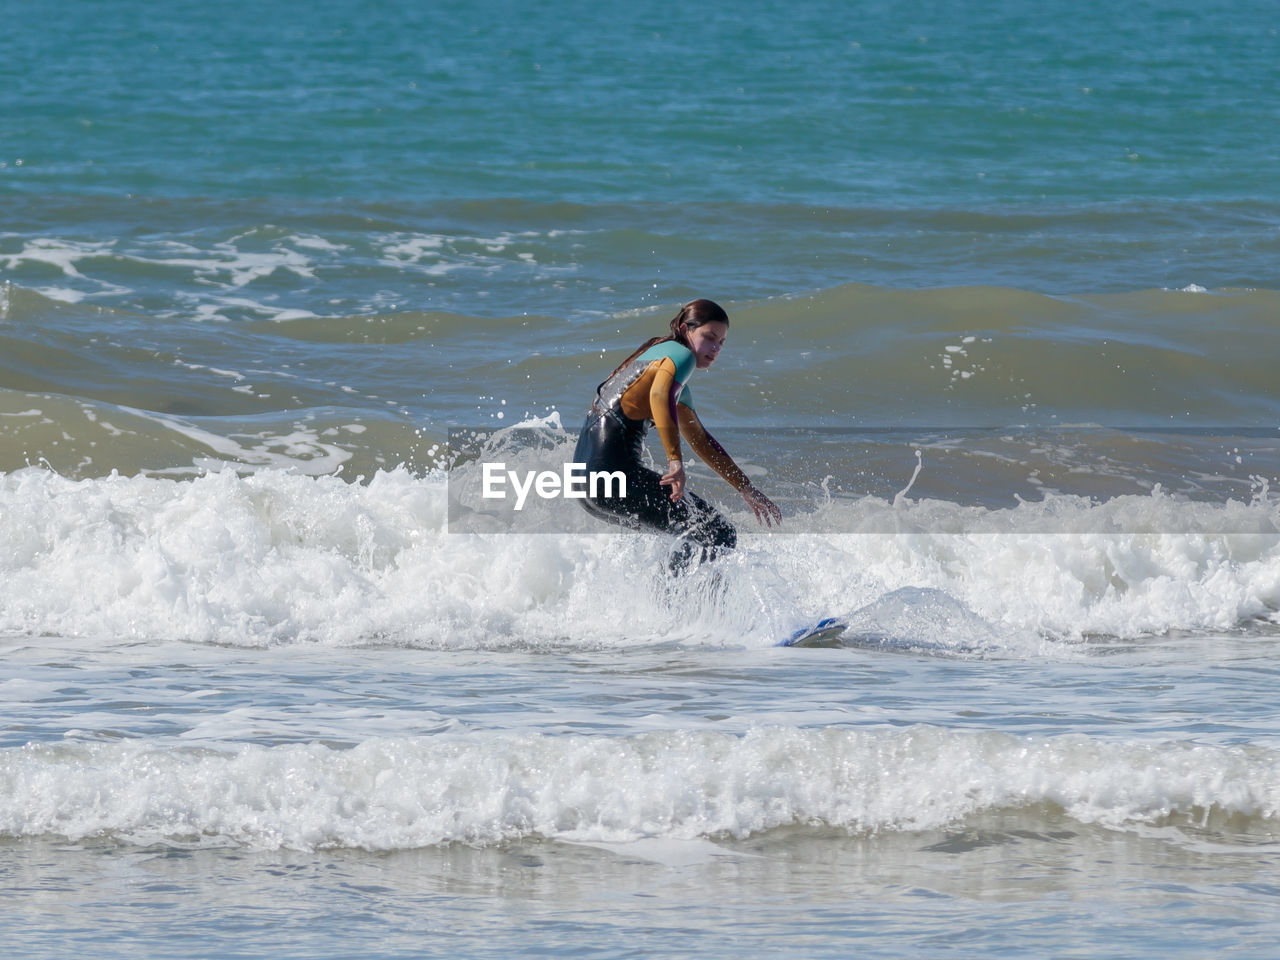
(717, 458)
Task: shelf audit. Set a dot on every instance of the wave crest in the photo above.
(403, 794)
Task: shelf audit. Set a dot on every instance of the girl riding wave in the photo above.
(650, 386)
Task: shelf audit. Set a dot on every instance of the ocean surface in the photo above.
(276, 679)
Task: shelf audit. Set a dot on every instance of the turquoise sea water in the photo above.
(824, 103)
(766, 150)
(1004, 289)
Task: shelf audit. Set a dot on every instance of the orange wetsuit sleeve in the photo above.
(710, 452)
(663, 394)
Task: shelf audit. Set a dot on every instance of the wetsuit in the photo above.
(651, 388)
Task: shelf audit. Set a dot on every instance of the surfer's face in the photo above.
(706, 341)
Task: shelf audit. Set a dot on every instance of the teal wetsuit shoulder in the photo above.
(686, 363)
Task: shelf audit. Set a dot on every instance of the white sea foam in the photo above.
(62, 294)
(300, 451)
(228, 266)
(279, 557)
(312, 242)
(680, 784)
(59, 253)
(65, 255)
(211, 307)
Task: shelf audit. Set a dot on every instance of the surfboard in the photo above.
(825, 633)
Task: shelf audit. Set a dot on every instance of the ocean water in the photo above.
(278, 680)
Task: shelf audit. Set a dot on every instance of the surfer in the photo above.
(650, 386)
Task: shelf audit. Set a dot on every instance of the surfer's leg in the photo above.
(707, 526)
(646, 505)
(704, 533)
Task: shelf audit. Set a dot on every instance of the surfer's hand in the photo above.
(674, 478)
(766, 510)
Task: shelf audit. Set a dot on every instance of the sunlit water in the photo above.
(277, 682)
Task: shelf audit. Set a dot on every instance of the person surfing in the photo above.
(651, 386)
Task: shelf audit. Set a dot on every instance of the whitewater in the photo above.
(276, 679)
